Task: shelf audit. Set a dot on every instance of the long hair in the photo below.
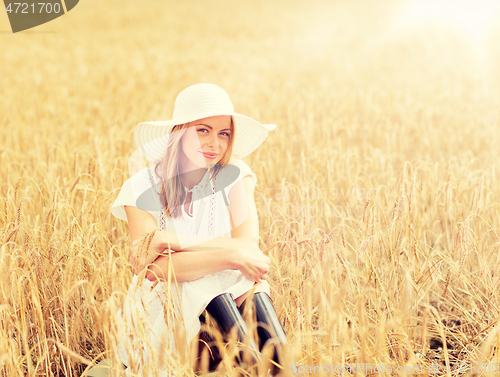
(173, 192)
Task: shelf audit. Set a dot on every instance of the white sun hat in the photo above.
(197, 102)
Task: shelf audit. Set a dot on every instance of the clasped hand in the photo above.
(252, 262)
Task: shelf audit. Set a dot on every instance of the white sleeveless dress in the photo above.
(145, 323)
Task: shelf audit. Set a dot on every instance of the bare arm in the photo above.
(187, 265)
(240, 252)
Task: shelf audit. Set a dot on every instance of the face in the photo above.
(206, 140)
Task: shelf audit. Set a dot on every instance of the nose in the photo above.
(213, 142)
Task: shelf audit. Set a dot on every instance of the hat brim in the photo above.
(151, 137)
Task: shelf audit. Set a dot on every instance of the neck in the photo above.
(191, 178)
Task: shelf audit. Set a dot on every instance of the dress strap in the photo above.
(211, 219)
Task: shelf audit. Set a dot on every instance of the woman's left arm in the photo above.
(243, 212)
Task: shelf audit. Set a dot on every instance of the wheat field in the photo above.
(378, 192)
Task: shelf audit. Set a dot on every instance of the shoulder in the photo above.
(234, 172)
(242, 168)
(145, 173)
(143, 179)
(238, 162)
(137, 191)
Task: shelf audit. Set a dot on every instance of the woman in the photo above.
(196, 212)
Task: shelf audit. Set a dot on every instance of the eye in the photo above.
(202, 130)
(225, 134)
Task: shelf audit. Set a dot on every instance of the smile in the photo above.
(210, 156)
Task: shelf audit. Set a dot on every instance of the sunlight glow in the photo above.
(472, 16)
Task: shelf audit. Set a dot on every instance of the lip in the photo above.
(210, 156)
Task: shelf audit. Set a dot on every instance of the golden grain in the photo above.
(372, 121)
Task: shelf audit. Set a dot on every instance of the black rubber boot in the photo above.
(205, 341)
(266, 315)
(225, 311)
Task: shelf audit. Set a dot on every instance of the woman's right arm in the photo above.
(187, 265)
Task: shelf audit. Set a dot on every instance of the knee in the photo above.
(262, 286)
(258, 287)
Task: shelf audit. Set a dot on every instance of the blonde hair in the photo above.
(173, 192)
